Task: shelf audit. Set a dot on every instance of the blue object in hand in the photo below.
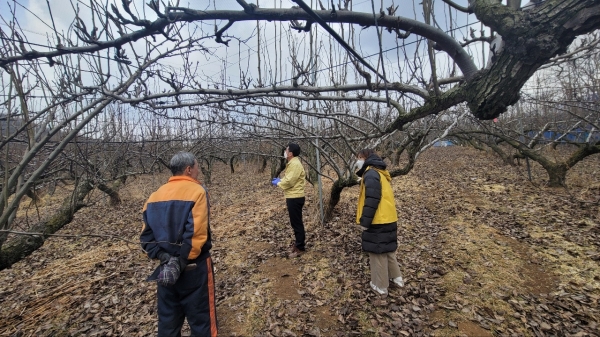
(275, 181)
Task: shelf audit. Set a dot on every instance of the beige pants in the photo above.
(383, 268)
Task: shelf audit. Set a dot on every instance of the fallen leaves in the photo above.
(465, 225)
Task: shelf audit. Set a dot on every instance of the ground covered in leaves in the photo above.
(484, 252)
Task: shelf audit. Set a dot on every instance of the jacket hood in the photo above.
(374, 161)
(386, 174)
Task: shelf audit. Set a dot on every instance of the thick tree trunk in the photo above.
(334, 196)
(411, 149)
(531, 37)
(112, 192)
(557, 175)
(23, 246)
(557, 172)
(582, 153)
(232, 164)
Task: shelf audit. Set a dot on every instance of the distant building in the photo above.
(443, 143)
(578, 135)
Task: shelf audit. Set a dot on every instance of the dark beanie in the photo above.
(294, 149)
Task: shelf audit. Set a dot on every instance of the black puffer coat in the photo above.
(379, 238)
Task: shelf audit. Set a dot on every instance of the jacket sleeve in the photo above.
(372, 197)
(196, 228)
(147, 239)
(290, 178)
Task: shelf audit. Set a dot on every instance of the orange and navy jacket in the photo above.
(176, 220)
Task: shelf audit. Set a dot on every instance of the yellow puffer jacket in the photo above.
(292, 182)
(386, 208)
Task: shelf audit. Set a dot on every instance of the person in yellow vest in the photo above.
(376, 213)
(292, 184)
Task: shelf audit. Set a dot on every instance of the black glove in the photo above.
(169, 273)
(163, 257)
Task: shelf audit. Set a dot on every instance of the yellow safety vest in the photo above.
(386, 211)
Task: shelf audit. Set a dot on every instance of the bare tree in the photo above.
(556, 123)
(111, 54)
(530, 38)
(66, 114)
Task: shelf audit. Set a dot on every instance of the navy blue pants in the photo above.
(294, 206)
(191, 297)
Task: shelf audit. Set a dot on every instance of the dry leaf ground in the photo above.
(484, 253)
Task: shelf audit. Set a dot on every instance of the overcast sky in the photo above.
(35, 20)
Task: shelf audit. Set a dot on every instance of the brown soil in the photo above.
(470, 329)
(284, 274)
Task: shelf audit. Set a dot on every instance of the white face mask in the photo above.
(359, 164)
(285, 154)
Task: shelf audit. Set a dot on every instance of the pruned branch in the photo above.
(219, 33)
(248, 8)
(300, 27)
(458, 7)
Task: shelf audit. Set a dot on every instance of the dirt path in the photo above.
(264, 288)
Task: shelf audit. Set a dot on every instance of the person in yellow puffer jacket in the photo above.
(376, 213)
(292, 184)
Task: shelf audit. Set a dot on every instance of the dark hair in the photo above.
(180, 162)
(294, 149)
(365, 153)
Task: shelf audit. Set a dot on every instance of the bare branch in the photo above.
(458, 7)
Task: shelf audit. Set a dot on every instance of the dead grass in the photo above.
(76, 266)
(483, 268)
(58, 286)
(565, 259)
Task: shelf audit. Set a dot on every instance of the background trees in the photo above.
(113, 88)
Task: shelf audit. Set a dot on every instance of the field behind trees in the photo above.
(484, 252)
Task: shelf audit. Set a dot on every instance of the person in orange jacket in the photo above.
(177, 232)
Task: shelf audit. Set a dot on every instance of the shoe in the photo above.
(398, 281)
(378, 290)
(295, 252)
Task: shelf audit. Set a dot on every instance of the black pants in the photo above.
(294, 206)
(192, 297)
